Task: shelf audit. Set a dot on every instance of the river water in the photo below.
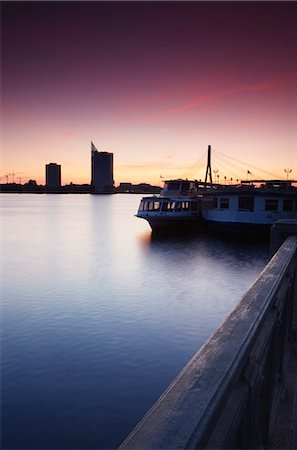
(98, 317)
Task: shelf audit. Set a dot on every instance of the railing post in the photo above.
(280, 230)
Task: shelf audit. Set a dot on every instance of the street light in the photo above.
(288, 171)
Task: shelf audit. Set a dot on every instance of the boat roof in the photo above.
(180, 198)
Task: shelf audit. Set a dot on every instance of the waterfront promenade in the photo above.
(239, 389)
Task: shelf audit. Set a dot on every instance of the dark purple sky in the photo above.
(143, 79)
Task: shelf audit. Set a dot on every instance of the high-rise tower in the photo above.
(53, 176)
(102, 171)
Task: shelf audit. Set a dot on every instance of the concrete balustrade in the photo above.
(228, 395)
(280, 230)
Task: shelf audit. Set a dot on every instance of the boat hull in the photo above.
(239, 229)
(175, 225)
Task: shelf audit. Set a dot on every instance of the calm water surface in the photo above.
(98, 318)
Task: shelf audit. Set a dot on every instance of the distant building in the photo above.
(142, 188)
(102, 171)
(53, 176)
(124, 187)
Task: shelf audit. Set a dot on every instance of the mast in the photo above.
(208, 168)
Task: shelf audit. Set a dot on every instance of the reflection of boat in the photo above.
(178, 208)
(249, 207)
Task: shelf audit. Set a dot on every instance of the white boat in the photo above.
(250, 207)
(177, 208)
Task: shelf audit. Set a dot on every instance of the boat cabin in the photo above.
(250, 204)
(168, 205)
(179, 187)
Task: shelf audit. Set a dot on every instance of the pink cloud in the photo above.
(68, 134)
(208, 98)
(169, 155)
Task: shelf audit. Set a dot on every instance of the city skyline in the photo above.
(154, 83)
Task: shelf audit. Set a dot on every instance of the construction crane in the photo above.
(12, 174)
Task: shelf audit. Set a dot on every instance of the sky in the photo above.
(154, 83)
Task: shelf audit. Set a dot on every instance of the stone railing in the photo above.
(228, 394)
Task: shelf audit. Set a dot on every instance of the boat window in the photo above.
(210, 203)
(168, 206)
(224, 203)
(271, 204)
(194, 206)
(185, 206)
(149, 206)
(141, 206)
(288, 205)
(185, 186)
(178, 206)
(153, 206)
(173, 186)
(246, 203)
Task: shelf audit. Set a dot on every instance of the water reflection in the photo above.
(100, 315)
(145, 238)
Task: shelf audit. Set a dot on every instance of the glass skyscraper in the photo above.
(53, 176)
(102, 171)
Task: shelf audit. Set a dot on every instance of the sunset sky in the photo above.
(153, 82)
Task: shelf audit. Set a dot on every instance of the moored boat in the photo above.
(177, 208)
(250, 207)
